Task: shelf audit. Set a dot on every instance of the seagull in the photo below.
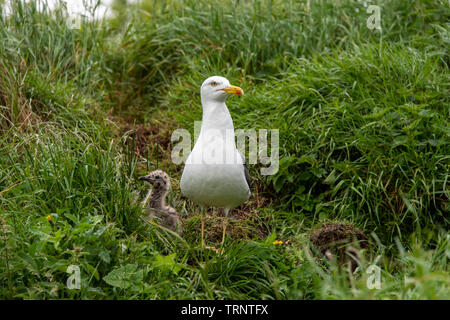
(156, 199)
(215, 172)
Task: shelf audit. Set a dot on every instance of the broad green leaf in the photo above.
(125, 276)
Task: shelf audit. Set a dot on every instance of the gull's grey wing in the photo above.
(246, 172)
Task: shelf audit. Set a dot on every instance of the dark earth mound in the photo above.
(341, 242)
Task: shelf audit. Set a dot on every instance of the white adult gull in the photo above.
(215, 173)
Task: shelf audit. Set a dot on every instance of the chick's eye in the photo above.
(213, 83)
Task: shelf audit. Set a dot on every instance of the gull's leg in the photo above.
(203, 232)
(224, 226)
(203, 227)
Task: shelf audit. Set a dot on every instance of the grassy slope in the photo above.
(363, 120)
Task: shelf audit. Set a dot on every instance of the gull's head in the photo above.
(158, 179)
(218, 89)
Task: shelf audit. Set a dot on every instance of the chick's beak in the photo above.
(234, 89)
(145, 178)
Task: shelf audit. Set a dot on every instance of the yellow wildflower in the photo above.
(277, 242)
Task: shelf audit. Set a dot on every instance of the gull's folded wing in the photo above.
(246, 172)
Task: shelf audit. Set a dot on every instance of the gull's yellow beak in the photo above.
(234, 89)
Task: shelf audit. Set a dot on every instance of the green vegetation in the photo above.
(364, 139)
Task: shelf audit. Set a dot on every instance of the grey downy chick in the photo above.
(156, 199)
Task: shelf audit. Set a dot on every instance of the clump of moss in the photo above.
(340, 242)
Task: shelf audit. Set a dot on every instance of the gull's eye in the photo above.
(214, 84)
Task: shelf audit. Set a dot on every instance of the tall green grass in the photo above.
(363, 120)
(256, 39)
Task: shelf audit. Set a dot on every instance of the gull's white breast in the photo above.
(216, 184)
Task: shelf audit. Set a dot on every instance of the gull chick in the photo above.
(156, 198)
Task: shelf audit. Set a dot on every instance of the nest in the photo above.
(340, 242)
